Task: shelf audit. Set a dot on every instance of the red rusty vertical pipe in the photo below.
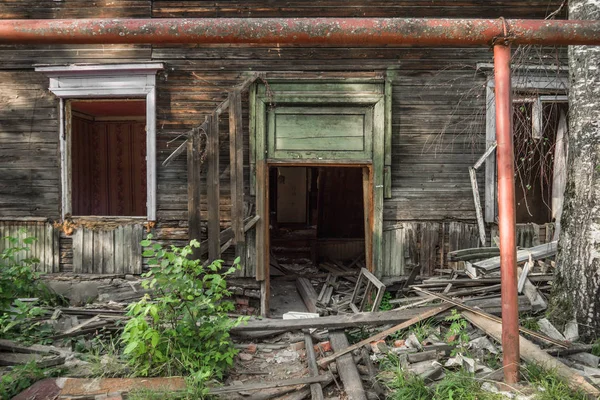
(506, 212)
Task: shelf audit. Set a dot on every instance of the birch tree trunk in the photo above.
(577, 291)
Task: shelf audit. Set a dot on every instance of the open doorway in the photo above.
(316, 227)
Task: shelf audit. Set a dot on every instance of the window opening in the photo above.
(108, 157)
(535, 126)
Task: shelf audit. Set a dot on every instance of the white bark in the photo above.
(578, 259)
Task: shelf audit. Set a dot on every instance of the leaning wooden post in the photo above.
(506, 212)
(212, 188)
(236, 171)
(194, 164)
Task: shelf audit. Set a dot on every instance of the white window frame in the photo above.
(523, 82)
(105, 81)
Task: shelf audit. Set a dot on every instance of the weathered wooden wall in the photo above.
(45, 248)
(438, 109)
(102, 250)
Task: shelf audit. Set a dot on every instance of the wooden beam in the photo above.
(308, 294)
(315, 389)
(194, 164)
(346, 367)
(536, 253)
(236, 159)
(333, 322)
(269, 385)
(212, 189)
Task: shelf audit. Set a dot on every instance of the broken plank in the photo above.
(332, 322)
(474, 253)
(477, 203)
(537, 252)
(268, 385)
(315, 389)
(431, 312)
(533, 354)
(346, 367)
(308, 294)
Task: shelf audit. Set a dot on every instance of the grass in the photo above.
(460, 385)
(549, 386)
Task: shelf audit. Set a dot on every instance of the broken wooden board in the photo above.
(346, 367)
(536, 253)
(273, 384)
(533, 354)
(308, 294)
(332, 322)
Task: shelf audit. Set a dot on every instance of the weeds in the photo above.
(457, 332)
(184, 329)
(21, 377)
(385, 302)
(549, 385)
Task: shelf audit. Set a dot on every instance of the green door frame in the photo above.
(333, 94)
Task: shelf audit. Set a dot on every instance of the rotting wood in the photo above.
(473, 254)
(236, 159)
(194, 161)
(477, 203)
(532, 353)
(332, 322)
(268, 385)
(346, 367)
(212, 189)
(365, 297)
(473, 310)
(537, 252)
(419, 317)
(315, 389)
(308, 294)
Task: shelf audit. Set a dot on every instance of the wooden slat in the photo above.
(212, 188)
(138, 235)
(119, 250)
(127, 250)
(78, 251)
(108, 250)
(236, 157)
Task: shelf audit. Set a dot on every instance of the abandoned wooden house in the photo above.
(286, 156)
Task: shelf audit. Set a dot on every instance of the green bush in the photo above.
(17, 277)
(184, 328)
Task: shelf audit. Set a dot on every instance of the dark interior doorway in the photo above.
(316, 214)
(316, 226)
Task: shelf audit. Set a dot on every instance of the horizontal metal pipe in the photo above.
(300, 31)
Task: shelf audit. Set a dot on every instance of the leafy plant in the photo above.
(184, 328)
(17, 276)
(457, 332)
(385, 302)
(18, 279)
(19, 379)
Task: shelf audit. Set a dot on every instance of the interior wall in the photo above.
(292, 189)
(108, 167)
